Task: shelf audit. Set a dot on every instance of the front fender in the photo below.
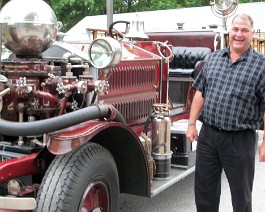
(66, 140)
(121, 142)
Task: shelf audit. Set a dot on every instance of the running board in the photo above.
(176, 174)
(17, 203)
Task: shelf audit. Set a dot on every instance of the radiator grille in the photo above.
(133, 90)
(134, 78)
(136, 110)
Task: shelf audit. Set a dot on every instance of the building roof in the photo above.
(166, 20)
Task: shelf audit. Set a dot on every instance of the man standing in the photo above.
(230, 101)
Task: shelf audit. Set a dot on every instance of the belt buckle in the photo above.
(217, 128)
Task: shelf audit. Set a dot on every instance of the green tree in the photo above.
(70, 12)
(3, 2)
(151, 5)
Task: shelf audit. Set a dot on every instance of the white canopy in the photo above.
(166, 20)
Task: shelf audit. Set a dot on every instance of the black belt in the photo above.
(216, 128)
(224, 130)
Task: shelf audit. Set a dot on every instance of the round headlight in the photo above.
(105, 52)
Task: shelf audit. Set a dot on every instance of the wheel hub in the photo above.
(96, 197)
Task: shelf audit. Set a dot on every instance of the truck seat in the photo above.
(187, 61)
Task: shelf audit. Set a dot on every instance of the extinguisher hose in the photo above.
(148, 122)
(39, 127)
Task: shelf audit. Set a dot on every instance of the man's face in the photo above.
(240, 34)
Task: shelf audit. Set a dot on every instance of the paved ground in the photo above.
(180, 197)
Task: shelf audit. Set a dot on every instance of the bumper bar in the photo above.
(17, 203)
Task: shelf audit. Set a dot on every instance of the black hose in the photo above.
(147, 123)
(60, 122)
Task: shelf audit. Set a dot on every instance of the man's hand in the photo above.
(192, 134)
(262, 152)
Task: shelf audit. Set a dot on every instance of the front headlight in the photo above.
(105, 52)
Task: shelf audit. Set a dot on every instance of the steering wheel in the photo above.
(111, 28)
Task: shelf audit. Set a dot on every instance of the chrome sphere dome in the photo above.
(29, 27)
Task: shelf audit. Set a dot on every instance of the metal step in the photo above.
(176, 174)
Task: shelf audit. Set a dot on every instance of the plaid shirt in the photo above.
(234, 93)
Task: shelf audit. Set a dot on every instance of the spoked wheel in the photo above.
(85, 180)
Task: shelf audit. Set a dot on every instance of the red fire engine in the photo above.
(78, 128)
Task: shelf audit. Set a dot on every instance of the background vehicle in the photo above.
(78, 128)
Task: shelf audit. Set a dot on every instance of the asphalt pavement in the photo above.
(180, 197)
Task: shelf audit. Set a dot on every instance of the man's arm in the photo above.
(262, 146)
(196, 107)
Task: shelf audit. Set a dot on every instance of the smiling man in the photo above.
(230, 101)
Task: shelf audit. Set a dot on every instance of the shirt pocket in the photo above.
(243, 89)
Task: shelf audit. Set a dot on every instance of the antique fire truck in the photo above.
(79, 128)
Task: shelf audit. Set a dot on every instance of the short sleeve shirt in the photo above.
(234, 93)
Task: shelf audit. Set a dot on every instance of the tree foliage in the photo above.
(69, 12)
(72, 11)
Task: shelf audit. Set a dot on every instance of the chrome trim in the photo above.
(17, 203)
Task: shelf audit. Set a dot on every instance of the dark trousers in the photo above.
(233, 152)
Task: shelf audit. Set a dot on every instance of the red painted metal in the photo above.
(137, 82)
(66, 140)
(134, 88)
(17, 167)
(131, 52)
(154, 47)
(48, 97)
(202, 38)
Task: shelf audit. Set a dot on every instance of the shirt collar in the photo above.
(245, 56)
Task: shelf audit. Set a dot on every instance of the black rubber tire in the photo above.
(69, 176)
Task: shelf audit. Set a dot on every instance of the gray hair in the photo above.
(244, 16)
